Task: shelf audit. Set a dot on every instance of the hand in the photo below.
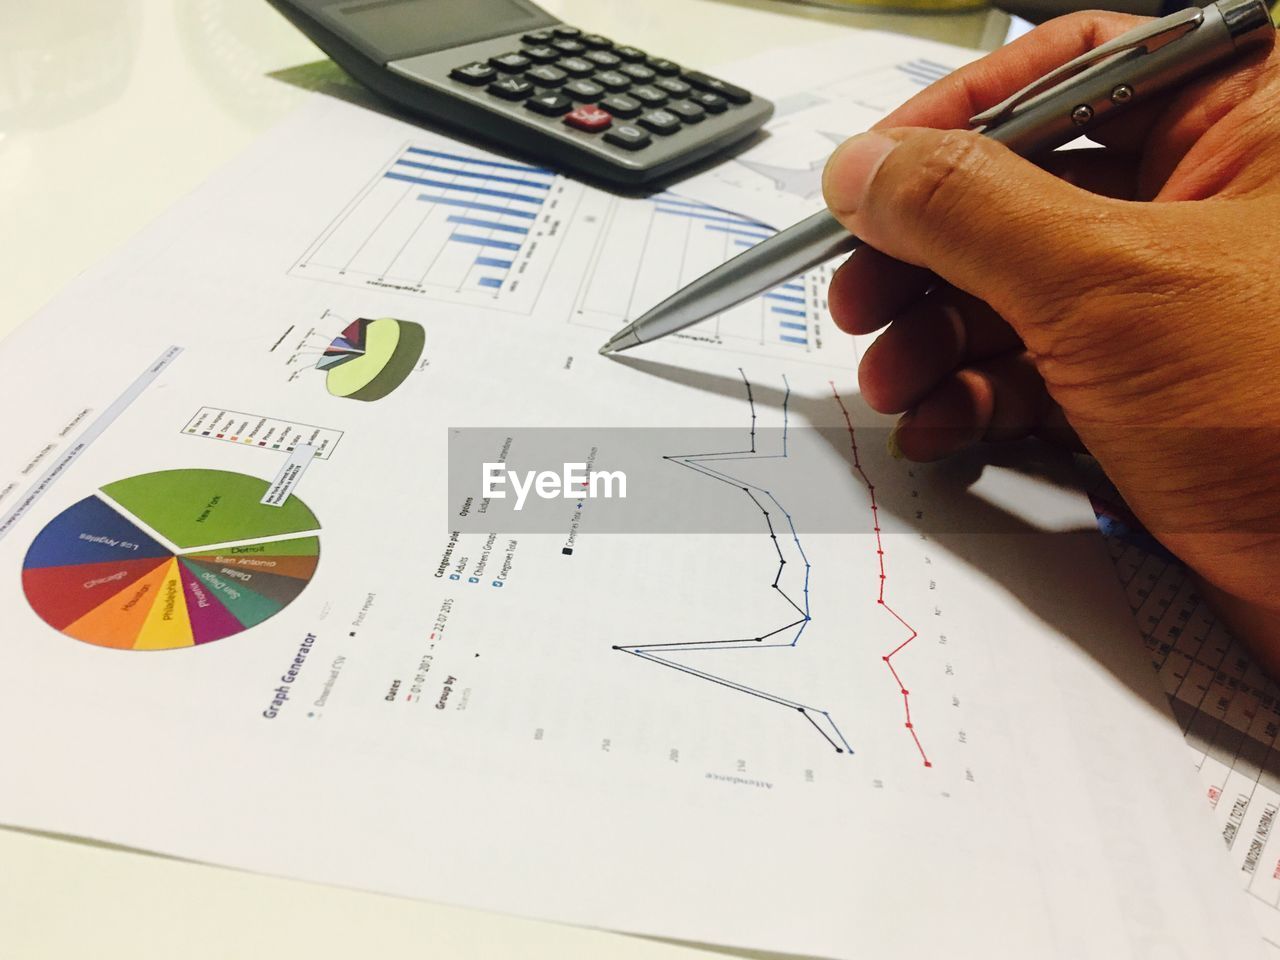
(1128, 296)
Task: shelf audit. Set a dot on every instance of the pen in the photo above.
(1052, 110)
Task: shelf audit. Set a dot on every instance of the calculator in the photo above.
(508, 72)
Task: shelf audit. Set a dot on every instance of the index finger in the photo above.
(951, 101)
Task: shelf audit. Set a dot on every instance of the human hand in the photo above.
(1129, 294)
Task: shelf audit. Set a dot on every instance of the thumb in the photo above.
(975, 213)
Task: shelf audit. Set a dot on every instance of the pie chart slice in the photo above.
(194, 508)
(391, 351)
(93, 573)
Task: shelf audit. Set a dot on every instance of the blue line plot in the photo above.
(660, 653)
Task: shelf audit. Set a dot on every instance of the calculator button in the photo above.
(620, 105)
(628, 137)
(660, 121)
(603, 57)
(564, 30)
(511, 88)
(595, 41)
(511, 62)
(474, 74)
(727, 90)
(711, 102)
(637, 71)
(565, 45)
(588, 118)
(538, 36)
(612, 80)
(686, 111)
(542, 54)
(545, 76)
(665, 67)
(549, 104)
(577, 67)
(676, 88)
(649, 96)
(629, 53)
(585, 90)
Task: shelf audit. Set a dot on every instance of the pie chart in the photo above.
(100, 573)
(371, 358)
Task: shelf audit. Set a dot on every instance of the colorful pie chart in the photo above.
(99, 571)
(371, 358)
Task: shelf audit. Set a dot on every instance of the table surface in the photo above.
(110, 110)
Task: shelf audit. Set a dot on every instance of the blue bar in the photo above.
(783, 296)
(476, 205)
(493, 262)
(937, 66)
(744, 243)
(481, 242)
(786, 339)
(671, 198)
(485, 191)
(791, 325)
(917, 74)
(490, 282)
(717, 228)
(786, 311)
(487, 224)
(422, 151)
(536, 185)
(737, 221)
(793, 286)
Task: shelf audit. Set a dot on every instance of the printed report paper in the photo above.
(930, 731)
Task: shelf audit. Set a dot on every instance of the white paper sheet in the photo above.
(824, 94)
(408, 722)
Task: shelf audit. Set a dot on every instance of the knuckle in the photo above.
(938, 182)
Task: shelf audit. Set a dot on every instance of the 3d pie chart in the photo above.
(98, 573)
(371, 358)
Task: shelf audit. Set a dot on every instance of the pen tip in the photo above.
(606, 350)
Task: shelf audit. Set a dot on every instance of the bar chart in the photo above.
(647, 249)
(446, 225)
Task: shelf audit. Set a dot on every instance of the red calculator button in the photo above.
(588, 118)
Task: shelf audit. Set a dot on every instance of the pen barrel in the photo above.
(1132, 77)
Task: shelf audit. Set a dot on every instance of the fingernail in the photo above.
(851, 168)
(891, 442)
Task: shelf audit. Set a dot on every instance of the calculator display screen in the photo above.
(399, 28)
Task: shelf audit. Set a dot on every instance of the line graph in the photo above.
(786, 636)
(880, 598)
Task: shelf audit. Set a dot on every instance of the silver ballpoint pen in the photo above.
(1049, 112)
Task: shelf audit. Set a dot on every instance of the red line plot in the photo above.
(880, 597)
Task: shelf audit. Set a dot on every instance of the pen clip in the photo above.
(1149, 38)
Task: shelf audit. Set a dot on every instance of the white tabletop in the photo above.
(110, 110)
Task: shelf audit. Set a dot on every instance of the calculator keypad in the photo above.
(593, 85)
